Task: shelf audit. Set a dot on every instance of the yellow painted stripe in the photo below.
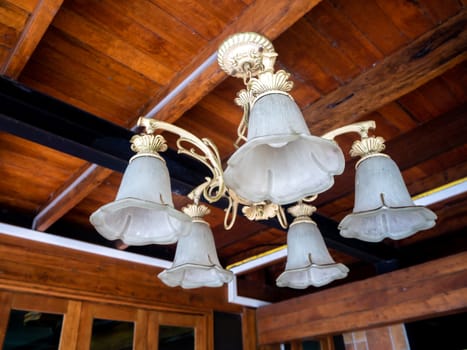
(440, 188)
(254, 257)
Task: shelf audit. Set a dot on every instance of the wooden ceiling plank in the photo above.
(441, 10)
(109, 16)
(436, 98)
(422, 60)
(91, 34)
(100, 63)
(310, 72)
(377, 27)
(275, 18)
(339, 30)
(420, 291)
(27, 5)
(206, 18)
(315, 48)
(13, 16)
(409, 17)
(35, 28)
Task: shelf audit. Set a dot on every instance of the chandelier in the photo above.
(277, 163)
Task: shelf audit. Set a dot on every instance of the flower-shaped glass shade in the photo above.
(308, 260)
(281, 161)
(142, 212)
(383, 207)
(196, 263)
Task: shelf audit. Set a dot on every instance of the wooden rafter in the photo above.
(422, 60)
(37, 24)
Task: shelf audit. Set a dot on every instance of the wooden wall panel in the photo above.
(429, 289)
(44, 269)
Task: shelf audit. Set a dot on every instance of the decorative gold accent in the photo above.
(302, 212)
(148, 144)
(367, 146)
(253, 211)
(240, 55)
(196, 211)
(269, 82)
(260, 211)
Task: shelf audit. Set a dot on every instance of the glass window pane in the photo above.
(176, 338)
(311, 345)
(33, 330)
(111, 335)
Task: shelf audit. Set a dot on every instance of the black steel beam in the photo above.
(40, 118)
(37, 117)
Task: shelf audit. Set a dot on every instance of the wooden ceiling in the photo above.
(400, 63)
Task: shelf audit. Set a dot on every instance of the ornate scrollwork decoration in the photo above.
(265, 211)
(269, 82)
(252, 211)
(240, 55)
(367, 146)
(214, 187)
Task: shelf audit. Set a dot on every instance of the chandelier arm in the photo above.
(281, 217)
(242, 127)
(231, 211)
(215, 187)
(360, 128)
(309, 199)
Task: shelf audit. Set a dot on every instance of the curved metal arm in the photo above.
(215, 187)
(360, 128)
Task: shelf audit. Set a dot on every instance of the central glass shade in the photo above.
(196, 263)
(383, 207)
(281, 162)
(143, 211)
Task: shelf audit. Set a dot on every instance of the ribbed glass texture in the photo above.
(383, 207)
(142, 212)
(196, 263)
(308, 260)
(281, 161)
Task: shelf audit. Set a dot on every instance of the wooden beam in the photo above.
(249, 329)
(5, 300)
(37, 24)
(203, 74)
(40, 268)
(422, 60)
(426, 290)
(69, 196)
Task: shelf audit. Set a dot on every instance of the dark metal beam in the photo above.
(37, 117)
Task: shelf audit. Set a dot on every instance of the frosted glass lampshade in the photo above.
(196, 263)
(383, 207)
(308, 260)
(281, 161)
(142, 212)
